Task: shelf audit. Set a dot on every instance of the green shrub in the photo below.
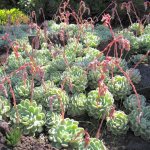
(12, 16)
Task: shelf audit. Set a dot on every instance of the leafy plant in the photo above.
(134, 75)
(77, 105)
(75, 79)
(4, 107)
(12, 16)
(133, 101)
(98, 105)
(118, 123)
(13, 136)
(119, 87)
(30, 115)
(94, 144)
(140, 122)
(66, 133)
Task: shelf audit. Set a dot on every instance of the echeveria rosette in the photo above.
(140, 122)
(133, 40)
(91, 54)
(61, 61)
(42, 57)
(41, 93)
(114, 69)
(14, 63)
(144, 41)
(52, 119)
(66, 133)
(22, 90)
(134, 75)
(137, 28)
(94, 144)
(74, 79)
(57, 101)
(75, 46)
(138, 58)
(77, 105)
(131, 102)
(91, 40)
(119, 87)
(118, 123)
(4, 107)
(97, 106)
(30, 115)
(94, 74)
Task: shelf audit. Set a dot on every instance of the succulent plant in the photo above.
(42, 57)
(118, 123)
(94, 144)
(61, 61)
(119, 87)
(75, 79)
(138, 58)
(52, 119)
(13, 136)
(52, 98)
(144, 41)
(98, 105)
(14, 63)
(77, 105)
(22, 90)
(94, 74)
(30, 116)
(131, 102)
(91, 54)
(134, 75)
(66, 133)
(103, 32)
(90, 39)
(113, 68)
(137, 28)
(140, 122)
(42, 92)
(4, 107)
(75, 46)
(134, 43)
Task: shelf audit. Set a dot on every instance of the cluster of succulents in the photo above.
(134, 75)
(74, 79)
(99, 105)
(140, 122)
(66, 133)
(133, 102)
(117, 123)
(119, 86)
(114, 69)
(4, 107)
(29, 115)
(22, 90)
(14, 63)
(93, 143)
(77, 105)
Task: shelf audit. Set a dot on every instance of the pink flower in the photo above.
(106, 20)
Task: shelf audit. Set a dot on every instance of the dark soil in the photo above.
(126, 142)
(30, 143)
(144, 86)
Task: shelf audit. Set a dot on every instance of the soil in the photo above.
(30, 143)
(144, 86)
(126, 142)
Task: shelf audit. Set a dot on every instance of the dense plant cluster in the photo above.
(62, 71)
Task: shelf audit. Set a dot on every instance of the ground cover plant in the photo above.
(57, 73)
